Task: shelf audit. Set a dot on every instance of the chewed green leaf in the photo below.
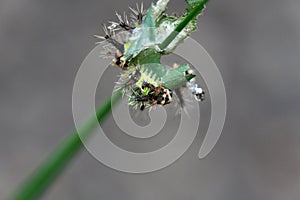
(142, 36)
(156, 28)
(149, 19)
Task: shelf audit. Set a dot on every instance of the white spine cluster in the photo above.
(198, 92)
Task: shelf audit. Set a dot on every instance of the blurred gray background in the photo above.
(256, 45)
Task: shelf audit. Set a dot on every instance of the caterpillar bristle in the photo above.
(107, 33)
(123, 22)
(135, 12)
(99, 37)
(138, 14)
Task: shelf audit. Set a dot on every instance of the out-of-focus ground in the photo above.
(256, 45)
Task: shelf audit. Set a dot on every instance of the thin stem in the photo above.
(45, 174)
(192, 15)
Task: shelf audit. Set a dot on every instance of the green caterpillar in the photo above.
(135, 47)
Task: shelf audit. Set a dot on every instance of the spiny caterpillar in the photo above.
(136, 46)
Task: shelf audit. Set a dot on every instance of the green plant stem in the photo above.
(192, 15)
(46, 173)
